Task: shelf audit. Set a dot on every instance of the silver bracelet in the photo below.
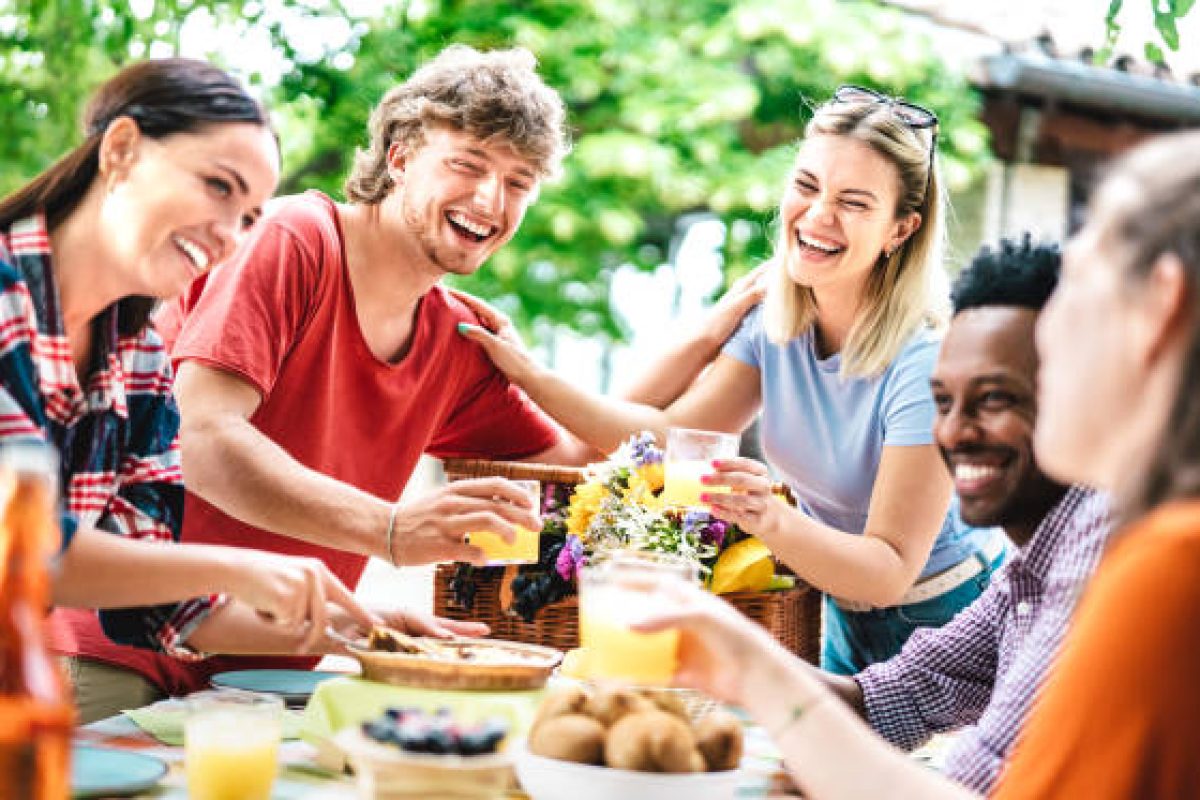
(391, 533)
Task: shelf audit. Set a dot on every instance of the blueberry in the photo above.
(379, 730)
(440, 741)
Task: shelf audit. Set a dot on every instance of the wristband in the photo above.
(390, 536)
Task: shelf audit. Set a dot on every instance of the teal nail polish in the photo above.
(464, 327)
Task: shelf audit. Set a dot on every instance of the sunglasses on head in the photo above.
(914, 116)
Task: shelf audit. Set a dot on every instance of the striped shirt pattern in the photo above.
(117, 438)
(982, 670)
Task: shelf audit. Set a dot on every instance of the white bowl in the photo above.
(551, 779)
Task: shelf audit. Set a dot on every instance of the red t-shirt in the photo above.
(281, 315)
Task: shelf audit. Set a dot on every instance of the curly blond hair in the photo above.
(494, 95)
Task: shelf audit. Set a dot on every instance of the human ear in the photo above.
(1164, 316)
(397, 160)
(906, 226)
(118, 148)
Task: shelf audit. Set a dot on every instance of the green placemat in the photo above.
(341, 702)
(164, 721)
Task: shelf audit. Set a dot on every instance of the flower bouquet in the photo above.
(619, 507)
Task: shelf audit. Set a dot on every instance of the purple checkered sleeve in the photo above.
(982, 671)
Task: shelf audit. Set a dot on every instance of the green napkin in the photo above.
(164, 721)
(341, 702)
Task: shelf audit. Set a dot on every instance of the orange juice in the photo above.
(617, 653)
(523, 550)
(681, 482)
(231, 753)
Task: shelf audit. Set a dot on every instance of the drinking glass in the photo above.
(617, 593)
(231, 744)
(524, 548)
(689, 455)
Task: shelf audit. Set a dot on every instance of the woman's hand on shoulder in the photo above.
(726, 315)
(498, 337)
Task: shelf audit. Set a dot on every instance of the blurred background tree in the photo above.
(676, 108)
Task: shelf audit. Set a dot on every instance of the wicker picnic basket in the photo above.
(792, 616)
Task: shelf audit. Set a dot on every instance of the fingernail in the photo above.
(706, 478)
(464, 328)
(705, 497)
(716, 463)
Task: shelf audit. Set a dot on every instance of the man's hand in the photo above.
(416, 623)
(434, 527)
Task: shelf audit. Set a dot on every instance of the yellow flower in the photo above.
(642, 490)
(652, 474)
(585, 502)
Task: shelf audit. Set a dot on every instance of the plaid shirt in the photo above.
(984, 668)
(118, 440)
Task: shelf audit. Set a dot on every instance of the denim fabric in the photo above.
(853, 640)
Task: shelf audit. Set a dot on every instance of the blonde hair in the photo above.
(902, 291)
(496, 95)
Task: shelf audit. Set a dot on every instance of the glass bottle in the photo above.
(36, 715)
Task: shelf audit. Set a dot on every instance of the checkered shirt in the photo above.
(117, 439)
(982, 670)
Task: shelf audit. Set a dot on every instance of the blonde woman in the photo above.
(837, 359)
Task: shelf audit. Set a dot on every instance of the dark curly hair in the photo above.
(1017, 273)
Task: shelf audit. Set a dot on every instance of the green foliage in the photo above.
(676, 107)
(1167, 13)
(53, 53)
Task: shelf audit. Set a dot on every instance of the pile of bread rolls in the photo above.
(628, 729)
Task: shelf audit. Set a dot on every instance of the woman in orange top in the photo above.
(1119, 346)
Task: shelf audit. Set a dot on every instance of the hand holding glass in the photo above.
(524, 547)
(231, 745)
(617, 593)
(689, 456)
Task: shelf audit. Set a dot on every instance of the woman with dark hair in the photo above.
(1119, 348)
(176, 164)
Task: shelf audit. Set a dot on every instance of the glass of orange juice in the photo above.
(689, 456)
(231, 745)
(615, 594)
(524, 547)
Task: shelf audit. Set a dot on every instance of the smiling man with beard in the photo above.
(981, 671)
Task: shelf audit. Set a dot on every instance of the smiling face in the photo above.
(460, 199)
(177, 206)
(839, 212)
(985, 394)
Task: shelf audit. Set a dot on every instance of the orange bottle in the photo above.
(36, 716)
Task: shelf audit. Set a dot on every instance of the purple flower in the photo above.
(702, 524)
(643, 449)
(570, 558)
(714, 534)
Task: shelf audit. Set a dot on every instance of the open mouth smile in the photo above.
(972, 477)
(466, 228)
(812, 245)
(195, 253)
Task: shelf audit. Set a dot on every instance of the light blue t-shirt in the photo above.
(825, 435)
